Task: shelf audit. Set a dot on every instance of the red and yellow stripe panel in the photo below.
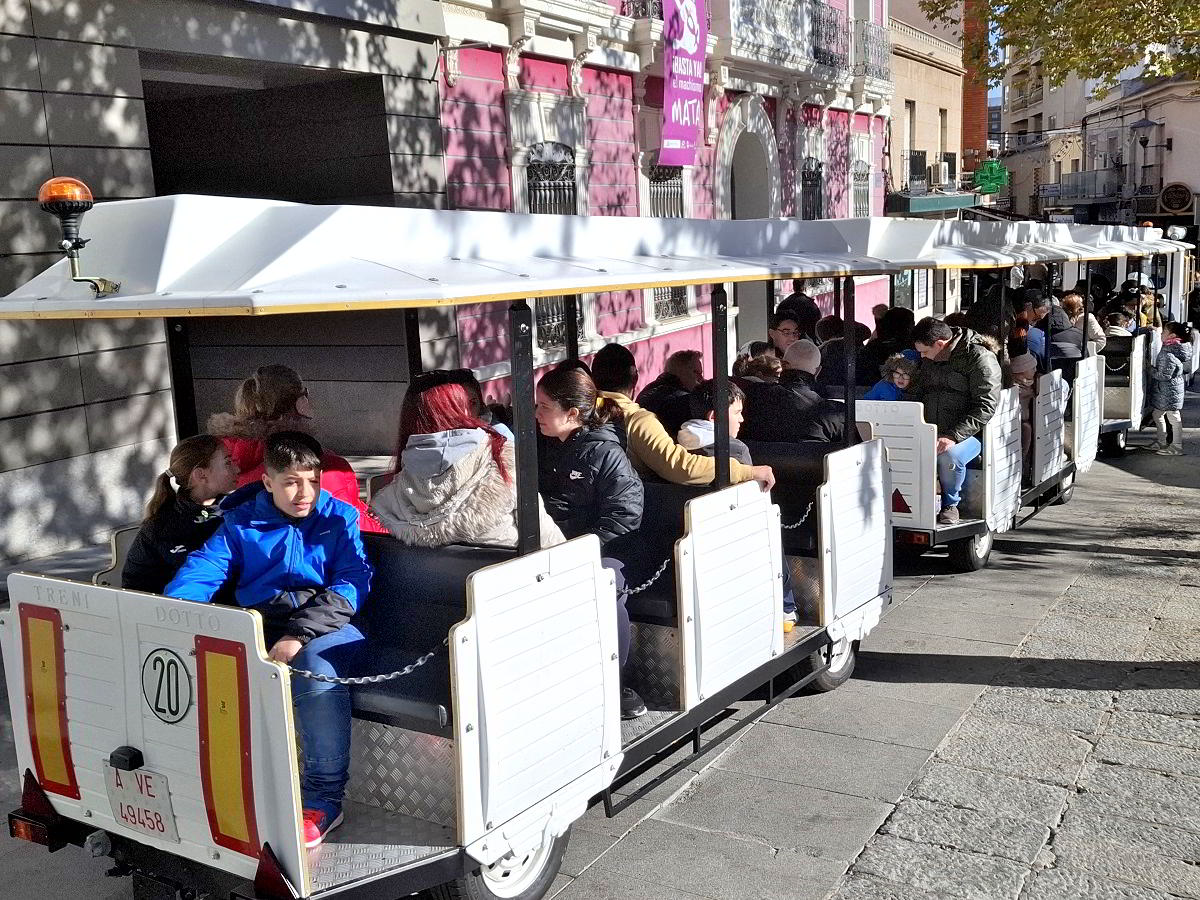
(225, 752)
(46, 699)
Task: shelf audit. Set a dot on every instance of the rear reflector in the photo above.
(46, 699)
(25, 829)
(912, 537)
(225, 765)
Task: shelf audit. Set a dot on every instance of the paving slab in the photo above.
(1134, 793)
(583, 849)
(597, 885)
(1165, 840)
(953, 681)
(1024, 707)
(854, 712)
(1172, 640)
(868, 887)
(713, 864)
(978, 626)
(1125, 602)
(832, 762)
(1162, 729)
(896, 640)
(1065, 636)
(941, 870)
(975, 600)
(1163, 758)
(595, 820)
(1019, 750)
(1073, 884)
(1119, 862)
(1089, 682)
(989, 792)
(986, 833)
(1183, 605)
(805, 819)
(1168, 691)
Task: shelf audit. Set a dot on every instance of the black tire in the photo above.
(1066, 490)
(475, 885)
(971, 554)
(832, 678)
(1113, 443)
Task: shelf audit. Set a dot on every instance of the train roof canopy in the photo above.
(191, 255)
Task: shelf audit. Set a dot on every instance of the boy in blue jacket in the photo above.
(294, 553)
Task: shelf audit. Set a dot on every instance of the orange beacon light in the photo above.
(67, 199)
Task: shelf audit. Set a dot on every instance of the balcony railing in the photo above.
(873, 51)
(651, 9)
(1151, 181)
(1035, 94)
(830, 36)
(1091, 185)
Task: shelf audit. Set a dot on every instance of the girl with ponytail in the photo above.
(182, 513)
(271, 400)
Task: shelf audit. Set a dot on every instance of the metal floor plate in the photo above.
(632, 729)
(796, 635)
(371, 841)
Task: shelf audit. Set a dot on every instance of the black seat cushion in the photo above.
(1116, 353)
(417, 595)
(799, 473)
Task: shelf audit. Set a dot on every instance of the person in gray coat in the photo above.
(958, 381)
(1166, 387)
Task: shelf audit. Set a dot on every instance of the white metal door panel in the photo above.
(1086, 413)
(855, 529)
(1137, 381)
(1002, 462)
(730, 563)
(110, 639)
(536, 696)
(1049, 452)
(1194, 364)
(910, 442)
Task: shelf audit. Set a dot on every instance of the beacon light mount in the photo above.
(67, 199)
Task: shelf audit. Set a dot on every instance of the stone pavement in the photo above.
(1030, 731)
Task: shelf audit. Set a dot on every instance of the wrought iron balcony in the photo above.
(830, 36)
(873, 51)
(1096, 184)
(650, 9)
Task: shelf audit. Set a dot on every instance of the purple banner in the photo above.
(685, 34)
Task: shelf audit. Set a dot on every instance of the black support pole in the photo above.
(720, 358)
(1050, 334)
(520, 328)
(571, 319)
(837, 297)
(183, 388)
(891, 292)
(851, 374)
(1087, 304)
(412, 342)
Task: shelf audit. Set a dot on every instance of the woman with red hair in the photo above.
(454, 473)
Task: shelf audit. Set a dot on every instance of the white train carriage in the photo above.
(156, 731)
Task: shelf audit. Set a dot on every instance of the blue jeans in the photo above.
(624, 627)
(952, 469)
(789, 594)
(323, 716)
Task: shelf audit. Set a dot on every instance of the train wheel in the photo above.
(510, 878)
(841, 657)
(1113, 443)
(971, 554)
(1066, 490)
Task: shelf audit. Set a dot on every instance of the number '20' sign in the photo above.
(166, 685)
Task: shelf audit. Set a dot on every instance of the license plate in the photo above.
(140, 801)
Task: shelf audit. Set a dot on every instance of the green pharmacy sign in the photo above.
(990, 176)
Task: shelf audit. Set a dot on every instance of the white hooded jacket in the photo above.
(449, 490)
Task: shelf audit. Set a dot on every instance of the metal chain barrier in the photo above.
(803, 519)
(375, 679)
(629, 592)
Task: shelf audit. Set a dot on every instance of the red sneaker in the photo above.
(317, 824)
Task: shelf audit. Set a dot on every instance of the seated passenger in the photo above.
(297, 557)
(1024, 373)
(894, 336)
(794, 409)
(834, 349)
(750, 352)
(1116, 324)
(182, 514)
(767, 369)
(271, 400)
(782, 331)
(483, 412)
(1072, 305)
(667, 395)
(896, 374)
(699, 435)
(588, 482)
(958, 380)
(649, 446)
(453, 474)
(802, 309)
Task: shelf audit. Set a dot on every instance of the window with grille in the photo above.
(812, 189)
(860, 174)
(666, 201)
(550, 180)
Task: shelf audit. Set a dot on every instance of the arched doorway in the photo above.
(748, 187)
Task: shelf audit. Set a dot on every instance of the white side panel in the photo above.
(536, 696)
(730, 565)
(108, 634)
(909, 441)
(1086, 413)
(1049, 451)
(855, 529)
(1194, 365)
(1002, 462)
(1137, 381)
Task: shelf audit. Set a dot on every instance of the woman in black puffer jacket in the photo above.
(587, 481)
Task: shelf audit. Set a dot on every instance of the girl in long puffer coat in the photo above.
(1166, 386)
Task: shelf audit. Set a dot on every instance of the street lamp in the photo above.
(1142, 129)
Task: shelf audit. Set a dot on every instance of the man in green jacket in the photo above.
(958, 380)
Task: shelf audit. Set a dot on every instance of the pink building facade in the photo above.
(562, 113)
